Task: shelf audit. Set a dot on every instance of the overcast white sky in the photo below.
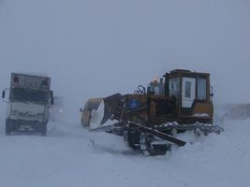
(95, 48)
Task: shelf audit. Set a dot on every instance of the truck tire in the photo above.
(44, 130)
(8, 127)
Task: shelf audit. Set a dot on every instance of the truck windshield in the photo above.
(28, 95)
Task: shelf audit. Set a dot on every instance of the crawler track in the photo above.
(156, 140)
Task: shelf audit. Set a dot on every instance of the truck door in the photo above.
(188, 91)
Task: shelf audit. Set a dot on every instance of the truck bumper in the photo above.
(23, 125)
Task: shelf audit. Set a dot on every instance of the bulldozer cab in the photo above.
(192, 91)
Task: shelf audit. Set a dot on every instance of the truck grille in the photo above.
(31, 116)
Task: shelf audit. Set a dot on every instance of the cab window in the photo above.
(187, 89)
(201, 88)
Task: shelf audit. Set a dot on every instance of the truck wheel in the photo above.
(44, 130)
(7, 127)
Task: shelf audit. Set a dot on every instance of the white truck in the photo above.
(29, 101)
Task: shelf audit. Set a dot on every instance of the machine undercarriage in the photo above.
(158, 139)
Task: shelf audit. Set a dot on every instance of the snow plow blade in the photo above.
(91, 105)
(98, 111)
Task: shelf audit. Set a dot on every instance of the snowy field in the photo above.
(95, 48)
(72, 156)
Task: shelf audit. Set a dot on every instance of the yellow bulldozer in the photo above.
(180, 101)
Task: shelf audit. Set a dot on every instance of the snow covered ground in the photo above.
(96, 48)
(72, 156)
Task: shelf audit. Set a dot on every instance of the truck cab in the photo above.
(29, 101)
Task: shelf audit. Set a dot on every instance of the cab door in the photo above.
(188, 91)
